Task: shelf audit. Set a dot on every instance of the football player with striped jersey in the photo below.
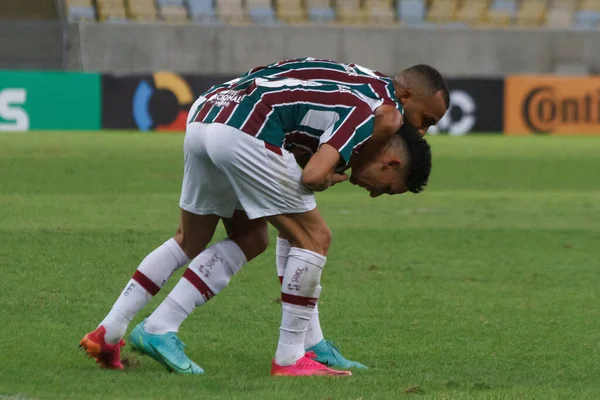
(238, 157)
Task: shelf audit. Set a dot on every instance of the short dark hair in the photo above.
(419, 154)
(431, 79)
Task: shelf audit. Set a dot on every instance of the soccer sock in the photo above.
(314, 334)
(207, 274)
(281, 254)
(299, 295)
(147, 280)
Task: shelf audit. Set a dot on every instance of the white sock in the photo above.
(167, 317)
(299, 295)
(314, 334)
(281, 255)
(207, 274)
(148, 279)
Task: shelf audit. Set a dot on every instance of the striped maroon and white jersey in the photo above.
(292, 113)
(370, 83)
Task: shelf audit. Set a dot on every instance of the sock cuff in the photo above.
(177, 252)
(308, 256)
(232, 253)
(298, 311)
(283, 247)
(181, 296)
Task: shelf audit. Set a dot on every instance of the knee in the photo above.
(190, 246)
(322, 240)
(252, 242)
(317, 240)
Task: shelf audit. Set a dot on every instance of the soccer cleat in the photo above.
(306, 366)
(328, 354)
(107, 355)
(167, 349)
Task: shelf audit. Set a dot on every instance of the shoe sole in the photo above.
(315, 373)
(333, 365)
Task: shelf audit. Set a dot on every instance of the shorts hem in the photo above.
(279, 211)
(205, 211)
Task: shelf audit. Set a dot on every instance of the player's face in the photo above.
(423, 111)
(385, 175)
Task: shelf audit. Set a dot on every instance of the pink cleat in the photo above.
(107, 355)
(306, 366)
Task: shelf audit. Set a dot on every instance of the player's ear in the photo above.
(405, 95)
(394, 162)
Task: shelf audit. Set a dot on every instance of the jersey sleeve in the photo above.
(350, 131)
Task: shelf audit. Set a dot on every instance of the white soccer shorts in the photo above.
(227, 169)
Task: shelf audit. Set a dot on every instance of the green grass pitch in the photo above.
(485, 286)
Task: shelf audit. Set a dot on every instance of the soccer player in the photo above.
(233, 154)
(418, 91)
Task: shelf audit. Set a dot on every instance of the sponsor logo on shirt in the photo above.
(224, 98)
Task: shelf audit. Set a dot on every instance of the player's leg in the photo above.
(210, 272)
(309, 239)
(326, 352)
(267, 182)
(193, 234)
(206, 275)
(203, 200)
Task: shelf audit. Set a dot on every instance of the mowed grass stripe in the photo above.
(483, 287)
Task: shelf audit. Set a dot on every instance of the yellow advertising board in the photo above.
(552, 105)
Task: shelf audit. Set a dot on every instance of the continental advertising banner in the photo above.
(161, 102)
(552, 105)
(49, 100)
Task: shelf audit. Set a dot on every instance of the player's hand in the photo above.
(337, 178)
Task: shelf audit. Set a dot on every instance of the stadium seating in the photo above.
(232, 12)
(501, 13)
(202, 11)
(442, 11)
(111, 10)
(531, 13)
(261, 12)
(471, 12)
(588, 15)
(290, 11)
(141, 10)
(560, 14)
(320, 11)
(350, 12)
(80, 10)
(380, 12)
(172, 11)
(411, 12)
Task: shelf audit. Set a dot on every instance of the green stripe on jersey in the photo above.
(212, 114)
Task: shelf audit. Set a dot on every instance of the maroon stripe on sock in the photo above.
(195, 280)
(309, 302)
(281, 280)
(146, 283)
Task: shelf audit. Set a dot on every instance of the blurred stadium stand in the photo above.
(73, 33)
(563, 14)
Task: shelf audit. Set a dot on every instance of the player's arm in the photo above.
(319, 172)
(337, 144)
(388, 121)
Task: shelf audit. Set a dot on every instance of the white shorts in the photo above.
(227, 169)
